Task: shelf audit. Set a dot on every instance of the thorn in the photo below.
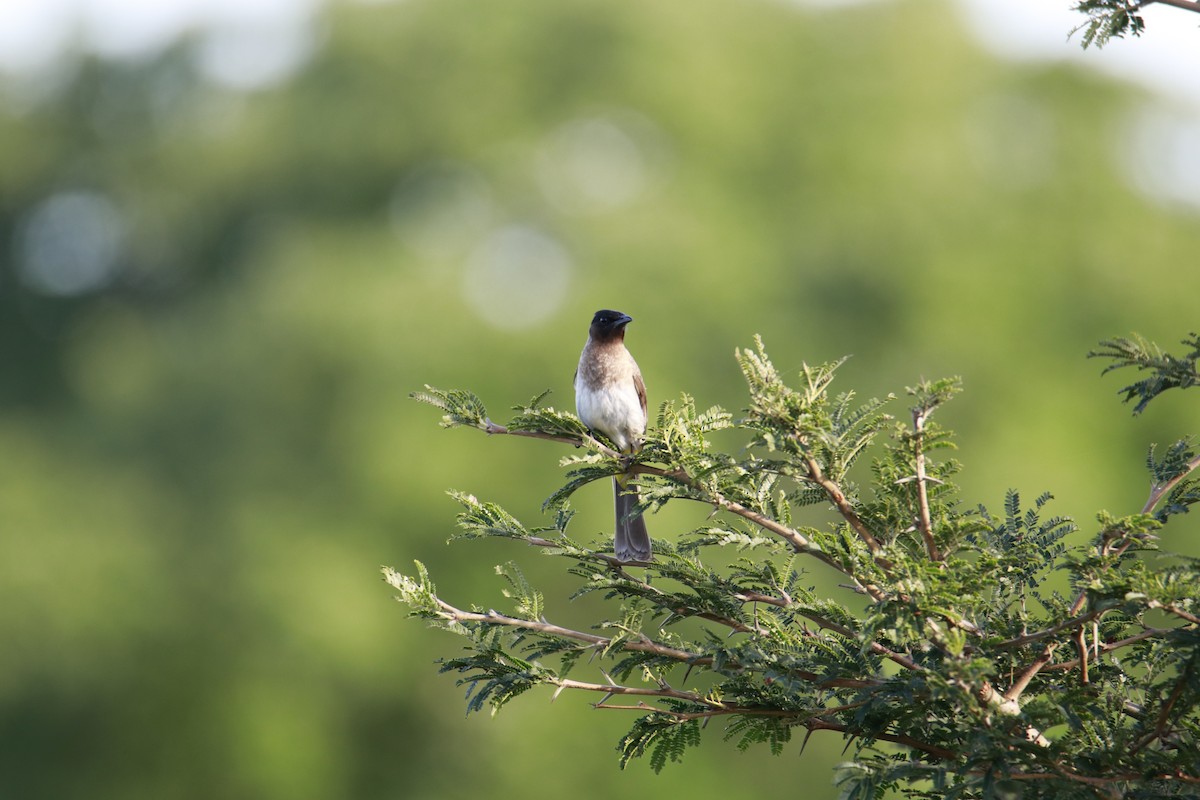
(804, 744)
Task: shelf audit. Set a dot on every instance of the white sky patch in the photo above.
(34, 33)
(245, 44)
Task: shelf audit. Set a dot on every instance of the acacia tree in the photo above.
(951, 667)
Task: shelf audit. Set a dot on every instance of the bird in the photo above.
(610, 397)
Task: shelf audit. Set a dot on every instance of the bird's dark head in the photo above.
(608, 325)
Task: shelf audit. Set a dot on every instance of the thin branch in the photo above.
(1014, 692)
(617, 689)
(1066, 624)
(1158, 491)
(1186, 5)
(756, 597)
(1106, 647)
(1081, 648)
(875, 647)
(1099, 781)
(1160, 724)
(1173, 609)
(813, 723)
(814, 720)
(643, 645)
(931, 749)
(495, 428)
(824, 622)
(838, 498)
(924, 521)
(799, 542)
(618, 566)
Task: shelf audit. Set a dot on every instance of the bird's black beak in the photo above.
(624, 320)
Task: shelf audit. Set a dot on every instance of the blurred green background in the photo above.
(214, 303)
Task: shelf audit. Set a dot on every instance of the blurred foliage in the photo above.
(208, 443)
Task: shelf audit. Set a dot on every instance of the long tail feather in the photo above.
(632, 542)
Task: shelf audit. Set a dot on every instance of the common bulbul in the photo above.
(610, 397)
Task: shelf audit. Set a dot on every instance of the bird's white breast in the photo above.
(615, 411)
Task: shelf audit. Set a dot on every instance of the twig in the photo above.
(1160, 724)
(643, 645)
(495, 428)
(799, 542)
(617, 689)
(1159, 490)
(1173, 609)
(1099, 781)
(875, 647)
(1014, 692)
(838, 498)
(924, 522)
(618, 566)
(1186, 5)
(1105, 647)
(1081, 648)
(1018, 641)
(813, 720)
(931, 749)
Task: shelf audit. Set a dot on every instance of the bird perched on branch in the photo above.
(610, 397)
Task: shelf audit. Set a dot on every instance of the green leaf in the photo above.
(462, 408)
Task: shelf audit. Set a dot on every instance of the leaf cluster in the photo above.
(1107, 20)
(1165, 370)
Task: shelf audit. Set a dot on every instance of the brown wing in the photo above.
(641, 390)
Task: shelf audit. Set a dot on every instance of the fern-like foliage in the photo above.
(1165, 370)
(461, 408)
(981, 655)
(1107, 20)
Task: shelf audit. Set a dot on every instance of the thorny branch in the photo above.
(924, 523)
(838, 498)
